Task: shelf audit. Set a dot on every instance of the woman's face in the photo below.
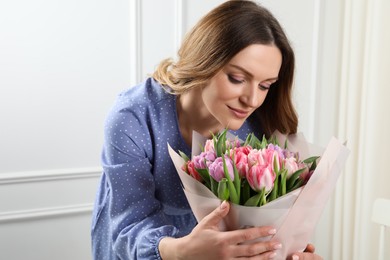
(241, 86)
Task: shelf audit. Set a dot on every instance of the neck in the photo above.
(194, 116)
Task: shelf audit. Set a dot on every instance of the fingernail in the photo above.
(223, 205)
(272, 255)
(272, 231)
(277, 246)
(295, 257)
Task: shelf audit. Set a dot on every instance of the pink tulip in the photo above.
(231, 144)
(216, 168)
(291, 165)
(192, 171)
(260, 176)
(256, 157)
(241, 161)
(203, 160)
(243, 149)
(305, 175)
(273, 158)
(209, 146)
(281, 152)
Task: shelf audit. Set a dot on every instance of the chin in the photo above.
(234, 126)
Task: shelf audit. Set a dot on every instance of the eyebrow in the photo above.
(247, 72)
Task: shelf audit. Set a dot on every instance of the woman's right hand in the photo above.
(206, 241)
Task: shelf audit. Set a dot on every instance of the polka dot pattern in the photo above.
(140, 199)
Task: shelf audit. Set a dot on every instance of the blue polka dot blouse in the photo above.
(140, 198)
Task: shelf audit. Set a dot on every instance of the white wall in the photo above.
(61, 65)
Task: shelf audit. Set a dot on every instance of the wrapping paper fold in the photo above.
(294, 215)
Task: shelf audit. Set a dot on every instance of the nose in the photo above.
(250, 96)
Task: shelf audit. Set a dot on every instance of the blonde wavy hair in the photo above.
(216, 39)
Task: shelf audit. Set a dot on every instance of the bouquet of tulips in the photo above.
(249, 173)
(268, 184)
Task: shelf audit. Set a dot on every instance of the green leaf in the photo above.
(237, 180)
(256, 144)
(273, 140)
(283, 180)
(311, 159)
(253, 201)
(214, 186)
(264, 142)
(223, 191)
(296, 185)
(247, 140)
(246, 191)
(276, 166)
(184, 156)
(215, 141)
(253, 141)
(291, 180)
(232, 189)
(313, 166)
(204, 173)
(262, 197)
(274, 193)
(221, 143)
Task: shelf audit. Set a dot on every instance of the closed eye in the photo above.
(264, 87)
(234, 80)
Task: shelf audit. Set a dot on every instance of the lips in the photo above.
(239, 113)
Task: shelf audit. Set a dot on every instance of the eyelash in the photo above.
(263, 87)
(236, 81)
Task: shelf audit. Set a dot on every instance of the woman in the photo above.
(235, 69)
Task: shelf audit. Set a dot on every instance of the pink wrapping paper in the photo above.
(294, 215)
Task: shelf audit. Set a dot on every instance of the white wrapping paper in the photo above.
(294, 215)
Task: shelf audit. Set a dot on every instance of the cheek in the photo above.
(224, 91)
(263, 97)
(212, 94)
(208, 96)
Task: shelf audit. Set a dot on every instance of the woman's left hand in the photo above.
(308, 254)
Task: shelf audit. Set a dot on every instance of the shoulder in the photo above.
(141, 101)
(149, 92)
(136, 115)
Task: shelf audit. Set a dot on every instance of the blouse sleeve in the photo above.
(137, 222)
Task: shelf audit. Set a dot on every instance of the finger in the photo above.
(310, 248)
(258, 248)
(264, 256)
(305, 256)
(217, 215)
(244, 235)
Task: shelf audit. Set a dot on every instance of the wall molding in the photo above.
(49, 175)
(179, 22)
(318, 16)
(135, 42)
(40, 177)
(42, 213)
